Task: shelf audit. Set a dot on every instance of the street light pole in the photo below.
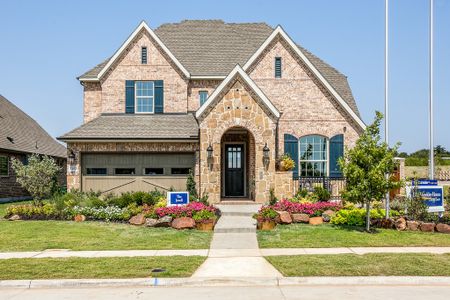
(431, 113)
(386, 90)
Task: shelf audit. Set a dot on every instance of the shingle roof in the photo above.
(213, 48)
(136, 127)
(19, 132)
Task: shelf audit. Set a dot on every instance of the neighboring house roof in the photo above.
(237, 71)
(136, 127)
(20, 133)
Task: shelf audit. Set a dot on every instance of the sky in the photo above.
(45, 45)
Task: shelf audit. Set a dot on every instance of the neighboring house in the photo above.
(21, 136)
(221, 99)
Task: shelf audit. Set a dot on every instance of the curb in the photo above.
(220, 282)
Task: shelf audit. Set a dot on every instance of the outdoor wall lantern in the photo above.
(71, 158)
(266, 155)
(210, 151)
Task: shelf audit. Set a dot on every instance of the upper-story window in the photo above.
(277, 67)
(144, 55)
(144, 97)
(203, 95)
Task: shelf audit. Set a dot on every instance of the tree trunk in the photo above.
(368, 216)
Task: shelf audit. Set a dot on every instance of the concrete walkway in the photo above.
(234, 249)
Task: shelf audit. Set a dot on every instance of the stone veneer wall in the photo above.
(237, 107)
(74, 175)
(305, 106)
(109, 95)
(284, 185)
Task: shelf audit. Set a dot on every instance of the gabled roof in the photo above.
(279, 31)
(20, 133)
(100, 70)
(136, 127)
(237, 71)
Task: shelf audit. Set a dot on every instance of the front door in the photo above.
(234, 170)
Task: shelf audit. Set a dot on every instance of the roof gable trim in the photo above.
(118, 53)
(237, 71)
(279, 30)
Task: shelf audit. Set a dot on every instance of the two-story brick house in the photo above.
(221, 99)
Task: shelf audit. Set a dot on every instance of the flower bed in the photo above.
(188, 210)
(311, 209)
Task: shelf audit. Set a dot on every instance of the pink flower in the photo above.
(183, 211)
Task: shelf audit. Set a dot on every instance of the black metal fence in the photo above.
(335, 185)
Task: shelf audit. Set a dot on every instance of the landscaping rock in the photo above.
(387, 223)
(138, 219)
(315, 220)
(149, 222)
(327, 215)
(14, 218)
(79, 218)
(285, 217)
(427, 227)
(400, 224)
(412, 225)
(300, 218)
(183, 223)
(164, 221)
(443, 228)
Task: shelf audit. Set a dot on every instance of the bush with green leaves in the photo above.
(204, 215)
(139, 198)
(356, 216)
(108, 214)
(33, 212)
(322, 193)
(38, 177)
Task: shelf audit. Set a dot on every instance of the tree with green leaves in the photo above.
(38, 177)
(365, 167)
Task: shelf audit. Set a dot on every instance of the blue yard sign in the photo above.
(425, 182)
(177, 198)
(433, 197)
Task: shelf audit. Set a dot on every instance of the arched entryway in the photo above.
(237, 164)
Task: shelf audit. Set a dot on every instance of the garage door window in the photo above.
(180, 171)
(96, 171)
(124, 171)
(154, 171)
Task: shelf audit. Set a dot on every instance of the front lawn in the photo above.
(111, 267)
(363, 265)
(329, 236)
(41, 235)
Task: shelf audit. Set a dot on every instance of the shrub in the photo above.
(76, 198)
(272, 198)
(357, 216)
(109, 213)
(322, 193)
(191, 185)
(266, 213)
(34, 212)
(38, 177)
(139, 198)
(204, 215)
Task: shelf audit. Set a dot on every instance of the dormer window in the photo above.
(144, 55)
(277, 67)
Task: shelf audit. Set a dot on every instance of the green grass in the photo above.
(363, 265)
(111, 267)
(41, 235)
(329, 236)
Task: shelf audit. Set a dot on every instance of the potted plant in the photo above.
(205, 220)
(286, 163)
(266, 218)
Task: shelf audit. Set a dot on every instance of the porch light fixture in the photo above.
(266, 155)
(210, 151)
(71, 158)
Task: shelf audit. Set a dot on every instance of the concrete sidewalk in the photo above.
(222, 247)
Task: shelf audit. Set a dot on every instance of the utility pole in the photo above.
(431, 108)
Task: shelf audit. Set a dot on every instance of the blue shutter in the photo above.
(336, 151)
(277, 67)
(129, 96)
(291, 148)
(159, 96)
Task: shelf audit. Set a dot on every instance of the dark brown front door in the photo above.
(234, 170)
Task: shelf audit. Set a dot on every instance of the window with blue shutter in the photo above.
(277, 67)
(159, 96)
(129, 96)
(336, 151)
(291, 148)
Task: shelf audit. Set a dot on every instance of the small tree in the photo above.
(365, 167)
(38, 177)
(191, 186)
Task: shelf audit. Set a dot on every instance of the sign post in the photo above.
(177, 198)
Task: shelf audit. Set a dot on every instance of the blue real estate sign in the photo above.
(177, 198)
(433, 196)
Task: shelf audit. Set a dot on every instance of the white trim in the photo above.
(237, 70)
(116, 55)
(200, 77)
(279, 30)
